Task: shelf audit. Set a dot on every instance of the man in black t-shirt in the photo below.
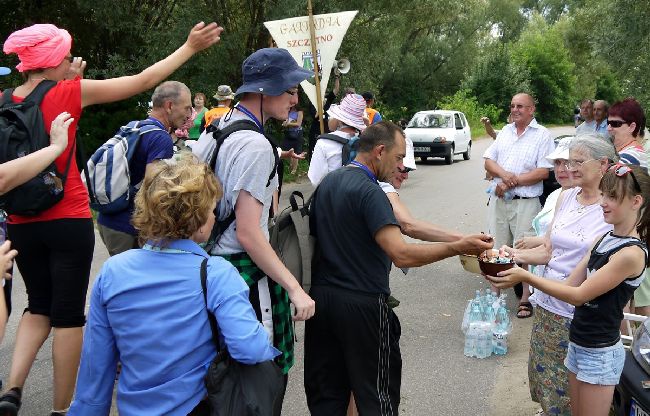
(352, 342)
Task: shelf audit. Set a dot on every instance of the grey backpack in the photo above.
(291, 240)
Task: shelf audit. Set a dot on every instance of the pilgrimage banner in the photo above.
(293, 35)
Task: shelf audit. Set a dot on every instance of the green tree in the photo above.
(496, 78)
(541, 49)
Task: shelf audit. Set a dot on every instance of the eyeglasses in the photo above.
(519, 106)
(405, 170)
(292, 91)
(621, 170)
(69, 58)
(616, 123)
(572, 163)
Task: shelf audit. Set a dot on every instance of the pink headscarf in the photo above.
(39, 46)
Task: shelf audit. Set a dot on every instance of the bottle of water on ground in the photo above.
(472, 334)
(501, 330)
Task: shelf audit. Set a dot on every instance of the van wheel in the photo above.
(449, 158)
(468, 152)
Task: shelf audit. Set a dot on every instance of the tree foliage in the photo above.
(541, 50)
(411, 53)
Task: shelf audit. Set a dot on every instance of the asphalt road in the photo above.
(436, 379)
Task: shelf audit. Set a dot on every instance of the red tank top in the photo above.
(64, 96)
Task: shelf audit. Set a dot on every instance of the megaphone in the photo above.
(342, 66)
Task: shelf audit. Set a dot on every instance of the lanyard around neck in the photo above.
(251, 115)
(365, 169)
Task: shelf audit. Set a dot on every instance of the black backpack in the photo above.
(22, 132)
(350, 146)
(220, 135)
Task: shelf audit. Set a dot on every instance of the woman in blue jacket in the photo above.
(147, 309)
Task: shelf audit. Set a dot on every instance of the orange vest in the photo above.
(215, 113)
(371, 113)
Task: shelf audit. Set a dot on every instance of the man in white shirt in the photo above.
(517, 162)
(587, 114)
(345, 121)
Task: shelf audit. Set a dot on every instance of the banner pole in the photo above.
(319, 98)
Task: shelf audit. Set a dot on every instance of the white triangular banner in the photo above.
(293, 35)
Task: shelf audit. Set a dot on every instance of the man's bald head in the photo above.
(522, 109)
(527, 97)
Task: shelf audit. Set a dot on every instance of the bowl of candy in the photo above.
(494, 261)
(470, 263)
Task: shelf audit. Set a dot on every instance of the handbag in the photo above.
(234, 388)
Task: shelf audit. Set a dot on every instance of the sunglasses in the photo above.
(621, 170)
(69, 58)
(405, 170)
(616, 123)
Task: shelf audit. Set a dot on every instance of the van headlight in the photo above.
(641, 345)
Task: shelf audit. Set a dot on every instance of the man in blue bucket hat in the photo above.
(244, 165)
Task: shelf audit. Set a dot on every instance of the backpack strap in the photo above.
(37, 94)
(213, 321)
(301, 225)
(333, 137)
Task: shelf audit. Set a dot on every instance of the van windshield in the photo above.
(431, 121)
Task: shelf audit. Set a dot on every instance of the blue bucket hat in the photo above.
(271, 71)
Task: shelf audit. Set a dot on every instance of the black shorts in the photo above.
(54, 259)
(352, 345)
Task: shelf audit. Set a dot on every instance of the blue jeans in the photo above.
(602, 366)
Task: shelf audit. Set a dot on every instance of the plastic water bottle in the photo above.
(500, 331)
(472, 334)
(3, 226)
(484, 341)
(508, 195)
(489, 313)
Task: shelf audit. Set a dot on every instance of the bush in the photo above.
(463, 101)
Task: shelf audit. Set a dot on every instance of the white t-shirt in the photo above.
(325, 158)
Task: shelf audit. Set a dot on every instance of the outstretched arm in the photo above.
(415, 228)
(577, 289)
(201, 37)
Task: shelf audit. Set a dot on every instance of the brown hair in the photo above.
(621, 187)
(377, 134)
(175, 199)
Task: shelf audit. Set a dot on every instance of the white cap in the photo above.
(561, 150)
(409, 159)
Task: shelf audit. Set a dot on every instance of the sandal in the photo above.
(10, 402)
(525, 310)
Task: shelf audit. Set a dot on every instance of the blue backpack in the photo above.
(107, 173)
(350, 146)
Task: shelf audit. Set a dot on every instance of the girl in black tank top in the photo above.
(600, 286)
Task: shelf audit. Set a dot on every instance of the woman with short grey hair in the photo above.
(578, 220)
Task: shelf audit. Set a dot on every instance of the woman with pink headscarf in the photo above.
(56, 246)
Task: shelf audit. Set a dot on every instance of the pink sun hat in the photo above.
(350, 111)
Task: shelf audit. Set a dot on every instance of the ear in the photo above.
(379, 150)
(632, 127)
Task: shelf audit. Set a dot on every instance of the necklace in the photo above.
(36, 79)
(625, 145)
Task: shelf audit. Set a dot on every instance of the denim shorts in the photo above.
(601, 366)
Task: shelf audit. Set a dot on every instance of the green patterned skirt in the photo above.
(548, 377)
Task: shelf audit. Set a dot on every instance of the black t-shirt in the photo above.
(596, 324)
(347, 211)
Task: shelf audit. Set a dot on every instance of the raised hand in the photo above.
(203, 36)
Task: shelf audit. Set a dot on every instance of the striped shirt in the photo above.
(634, 155)
(522, 154)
